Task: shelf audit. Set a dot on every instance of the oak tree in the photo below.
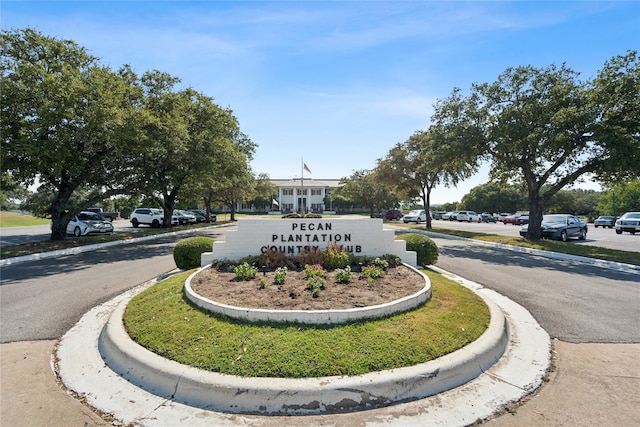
(67, 121)
(546, 129)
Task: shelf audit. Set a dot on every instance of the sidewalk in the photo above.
(591, 385)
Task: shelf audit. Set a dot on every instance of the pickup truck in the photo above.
(111, 216)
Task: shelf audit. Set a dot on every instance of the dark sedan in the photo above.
(487, 217)
(560, 227)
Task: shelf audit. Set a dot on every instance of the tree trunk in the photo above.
(207, 205)
(233, 211)
(169, 205)
(536, 210)
(60, 215)
(426, 200)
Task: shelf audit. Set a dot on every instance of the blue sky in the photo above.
(335, 83)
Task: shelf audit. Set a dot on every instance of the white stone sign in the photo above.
(362, 236)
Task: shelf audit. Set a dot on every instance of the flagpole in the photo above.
(301, 182)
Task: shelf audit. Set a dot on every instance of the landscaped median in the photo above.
(222, 364)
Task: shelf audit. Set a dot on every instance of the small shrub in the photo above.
(187, 251)
(315, 284)
(245, 271)
(335, 257)
(262, 284)
(274, 259)
(280, 275)
(381, 264)
(425, 248)
(371, 273)
(250, 259)
(393, 260)
(223, 265)
(297, 215)
(313, 271)
(343, 275)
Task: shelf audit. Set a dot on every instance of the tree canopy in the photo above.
(73, 124)
(545, 129)
(365, 188)
(67, 120)
(425, 160)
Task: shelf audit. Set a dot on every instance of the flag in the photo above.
(275, 202)
(306, 168)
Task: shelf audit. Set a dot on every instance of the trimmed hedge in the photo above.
(187, 252)
(426, 248)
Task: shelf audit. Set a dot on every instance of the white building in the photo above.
(304, 195)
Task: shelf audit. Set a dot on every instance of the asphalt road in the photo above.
(43, 299)
(573, 302)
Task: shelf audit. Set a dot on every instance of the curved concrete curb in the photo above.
(518, 372)
(218, 392)
(317, 317)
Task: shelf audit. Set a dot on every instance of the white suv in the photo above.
(148, 216)
(469, 216)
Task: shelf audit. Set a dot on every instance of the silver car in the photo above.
(629, 221)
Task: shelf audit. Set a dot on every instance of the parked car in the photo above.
(560, 227)
(200, 217)
(510, 219)
(393, 214)
(487, 217)
(86, 222)
(437, 214)
(416, 216)
(184, 217)
(522, 220)
(502, 216)
(111, 216)
(469, 216)
(629, 221)
(605, 221)
(149, 216)
(451, 216)
(513, 219)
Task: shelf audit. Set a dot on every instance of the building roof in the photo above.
(308, 183)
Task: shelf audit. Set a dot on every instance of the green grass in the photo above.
(570, 248)
(13, 219)
(161, 320)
